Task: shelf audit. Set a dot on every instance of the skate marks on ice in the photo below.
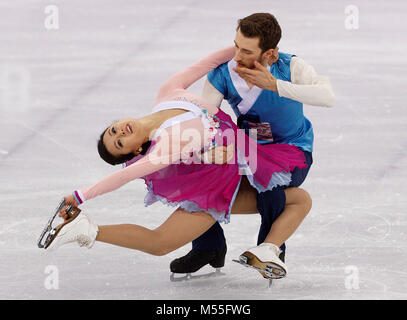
(372, 225)
(307, 285)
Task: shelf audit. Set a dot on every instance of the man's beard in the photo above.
(252, 66)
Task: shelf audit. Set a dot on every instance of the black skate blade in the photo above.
(268, 272)
(192, 276)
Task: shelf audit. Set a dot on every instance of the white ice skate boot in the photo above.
(80, 230)
(265, 259)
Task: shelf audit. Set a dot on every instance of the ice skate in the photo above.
(195, 260)
(265, 259)
(77, 228)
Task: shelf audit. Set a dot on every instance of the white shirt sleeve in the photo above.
(306, 85)
(211, 94)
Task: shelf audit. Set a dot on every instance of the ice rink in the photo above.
(60, 87)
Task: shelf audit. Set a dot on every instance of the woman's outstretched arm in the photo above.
(140, 168)
(185, 78)
(160, 156)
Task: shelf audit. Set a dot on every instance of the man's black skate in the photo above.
(196, 259)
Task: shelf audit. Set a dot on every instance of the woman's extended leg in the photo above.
(179, 229)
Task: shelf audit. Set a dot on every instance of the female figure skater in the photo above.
(165, 149)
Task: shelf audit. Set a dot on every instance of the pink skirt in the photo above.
(213, 188)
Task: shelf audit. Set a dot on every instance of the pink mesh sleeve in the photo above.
(185, 78)
(150, 163)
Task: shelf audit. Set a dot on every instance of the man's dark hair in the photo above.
(109, 158)
(263, 26)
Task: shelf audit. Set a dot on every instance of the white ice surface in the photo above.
(107, 60)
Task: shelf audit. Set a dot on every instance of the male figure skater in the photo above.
(266, 90)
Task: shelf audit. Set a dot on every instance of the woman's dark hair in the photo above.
(109, 158)
(263, 26)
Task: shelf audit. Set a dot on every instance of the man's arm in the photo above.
(306, 85)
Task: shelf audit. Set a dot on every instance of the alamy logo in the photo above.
(352, 280)
(51, 21)
(352, 17)
(51, 282)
